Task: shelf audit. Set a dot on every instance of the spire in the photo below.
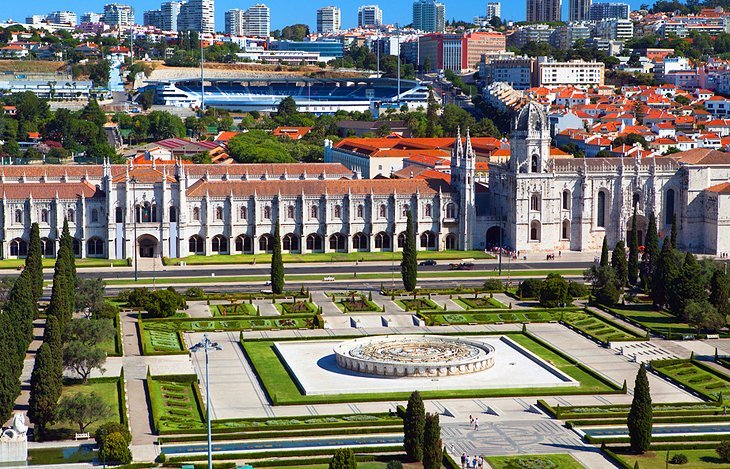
(459, 147)
(469, 153)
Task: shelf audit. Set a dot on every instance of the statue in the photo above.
(19, 423)
(14, 441)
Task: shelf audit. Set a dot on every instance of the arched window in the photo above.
(360, 241)
(19, 216)
(266, 243)
(196, 245)
(360, 211)
(338, 242)
(338, 211)
(405, 209)
(565, 234)
(535, 202)
(243, 212)
(219, 213)
(48, 246)
(219, 244)
(669, 207)
(314, 211)
(173, 214)
(535, 164)
(76, 244)
(450, 242)
(601, 212)
(428, 210)
(267, 213)
(44, 216)
(243, 244)
(290, 242)
(402, 240)
(95, 247)
(383, 211)
(315, 243)
(146, 213)
(196, 213)
(450, 210)
(535, 231)
(635, 199)
(382, 240)
(428, 240)
(18, 247)
(71, 215)
(290, 212)
(566, 200)
(119, 215)
(94, 215)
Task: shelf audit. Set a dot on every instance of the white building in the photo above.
(578, 10)
(91, 17)
(258, 21)
(62, 17)
(329, 19)
(494, 9)
(603, 10)
(197, 15)
(506, 68)
(169, 15)
(615, 29)
(118, 15)
(574, 72)
(429, 16)
(369, 16)
(235, 23)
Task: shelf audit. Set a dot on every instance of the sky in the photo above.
(284, 12)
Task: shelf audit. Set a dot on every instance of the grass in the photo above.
(357, 304)
(237, 309)
(696, 459)
(282, 389)
(703, 380)
(69, 455)
(327, 257)
(542, 461)
(175, 403)
(418, 304)
(658, 321)
(107, 388)
(597, 327)
(479, 303)
(296, 307)
(31, 66)
(475, 317)
(81, 263)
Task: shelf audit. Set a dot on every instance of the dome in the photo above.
(531, 117)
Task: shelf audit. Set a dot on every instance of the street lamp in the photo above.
(134, 215)
(206, 345)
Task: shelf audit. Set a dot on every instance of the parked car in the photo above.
(462, 266)
(427, 262)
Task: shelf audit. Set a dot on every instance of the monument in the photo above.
(14, 441)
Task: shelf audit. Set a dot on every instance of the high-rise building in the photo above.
(369, 16)
(118, 15)
(494, 9)
(91, 17)
(62, 17)
(235, 22)
(457, 52)
(170, 12)
(257, 21)
(429, 16)
(197, 15)
(578, 9)
(152, 18)
(543, 10)
(603, 11)
(329, 19)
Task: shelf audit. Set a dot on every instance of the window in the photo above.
(338, 242)
(450, 242)
(383, 211)
(566, 200)
(219, 244)
(76, 247)
(48, 246)
(402, 240)
(290, 242)
(535, 231)
(18, 248)
(635, 199)
(338, 211)
(669, 207)
(535, 202)
(146, 213)
(266, 243)
(450, 210)
(119, 215)
(601, 212)
(314, 243)
(243, 212)
(428, 210)
(314, 211)
(267, 213)
(19, 216)
(360, 211)
(95, 247)
(428, 240)
(535, 164)
(196, 245)
(565, 234)
(382, 241)
(196, 213)
(219, 213)
(173, 214)
(243, 244)
(44, 216)
(70, 215)
(360, 241)
(290, 212)
(94, 215)
(405, 209)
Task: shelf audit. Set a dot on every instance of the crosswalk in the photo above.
(642, 352)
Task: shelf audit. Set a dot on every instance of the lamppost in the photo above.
(103, 438)
(207, 345)
(134, 214)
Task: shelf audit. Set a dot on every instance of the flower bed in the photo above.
(417, 304)
(695, 375)
(242, 309)
(480, 303)
(297, 307)
(357, 304)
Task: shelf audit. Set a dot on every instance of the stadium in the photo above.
(314, 95)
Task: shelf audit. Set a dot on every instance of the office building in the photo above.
(62, 17)
(327, 49)
(531, 33)
(429, 16)
(91, 17)
(602, 11)
(170, 12)
(508, 68)
(578, 10)
(118, 15)
(329, 19)
(494, 9)
(197, 15)
(235, 24)
(543, 10)
(369, 16)
(457, 52)
(152, 18)
(258, 21)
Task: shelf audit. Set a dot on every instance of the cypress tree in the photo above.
(34, 261)
(604, 252)
(67, 241)
(277, 264)
(52, 337)
(720, 292)
(22, 309)
(639, 421)
(688, 287)
(409, 262)
(432, 446)
(674, 231)
(665, 274)
(10, 368)
(62, 291)
(651, 249)
(45, 390)
(343, 458)
(414, 425)
(633, 267)
(619, 263)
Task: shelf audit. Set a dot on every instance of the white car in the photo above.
(329, 279)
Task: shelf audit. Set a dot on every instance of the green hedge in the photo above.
(279, 433)
(279, 453)
(666, 439)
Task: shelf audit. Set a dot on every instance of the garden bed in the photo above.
(357, 304)
(693, 374)
(240, 309)
(296, 307)
(696, 459)
(597, 328)
(543, 461)
(473, 317)
(418, 304)
(479, 303)
(176, 403)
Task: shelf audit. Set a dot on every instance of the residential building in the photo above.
(543, 10)
(62, 17)
(531, 33)
(369, 16)
(170, 12)
(152, 18)
(566, 36)
(615, 29)
(607, 10)
(234, 22)
(91, 17)
(578, 10)
(329, 19)
(515, 71)
(458, 52)
(257, 20)
(494, 9)
(197, 15)
(574, 72)
(429, 16)
(118, 15)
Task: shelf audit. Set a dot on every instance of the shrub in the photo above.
(106, 311)
(553, 292)
(493, 285)
(194, 292)
(723, 450)
(116, 449)
(108, 428)
(577, 289)
(395, 464)
(678, 458)
(529, 288)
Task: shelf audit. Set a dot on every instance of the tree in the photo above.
(83, 359)
(52, 336)
(277, 264)
(639, 420)
(432, 446)
(720, 291)
(414, 425)
(723, 450)
(90, 332)
(665, 274)
(34, 261)
(689, 286)
(604, 253)
(409, 261)
(703, 315)
(287, 107)
(83, 409)
(343, 458)
(651, 251)
(633, 265)
(45, 390)
(619, 264)
(604, 285)
(90, 295)
(554, 292)
(21, 308)
(674, 231)
(115, 449)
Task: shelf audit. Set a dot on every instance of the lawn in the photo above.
(107, 388)
(282, 389)
(418, 304)
(327, 257)
(695, 376)
(696, 459)
(175, 403)
(597, 327)
(234, 309)
(296, 307)
(658, 321)
(80, 263)
(543, 461)
(357, 304)
(510, 316)
(479, 302)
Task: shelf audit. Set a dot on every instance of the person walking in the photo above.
(476, 423)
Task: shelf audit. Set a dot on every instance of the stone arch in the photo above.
(147, 246)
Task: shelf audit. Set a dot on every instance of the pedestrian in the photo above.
(476, 423)
(471, 421)
(463, 460)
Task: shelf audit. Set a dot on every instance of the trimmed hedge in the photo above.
(278, 433)
(279, 453)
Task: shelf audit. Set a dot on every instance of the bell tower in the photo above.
(530, 143)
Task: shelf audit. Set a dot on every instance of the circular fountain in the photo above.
(414, 355)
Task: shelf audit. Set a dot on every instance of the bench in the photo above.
(80, 436)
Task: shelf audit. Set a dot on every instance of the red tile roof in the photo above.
(47, 190)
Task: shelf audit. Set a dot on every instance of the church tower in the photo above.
(463, 172)
(530, 143)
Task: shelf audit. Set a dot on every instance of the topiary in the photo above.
(678, 458)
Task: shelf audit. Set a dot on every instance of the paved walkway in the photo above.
(611, 318)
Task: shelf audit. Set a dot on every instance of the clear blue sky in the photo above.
(284, 12)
